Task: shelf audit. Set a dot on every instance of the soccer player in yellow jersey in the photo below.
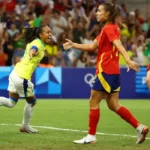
(20, 84)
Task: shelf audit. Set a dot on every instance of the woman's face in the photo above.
(46, 35)
(6, 35)
(101, 14)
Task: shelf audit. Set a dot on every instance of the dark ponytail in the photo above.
(32, 33)
(115, 14)
(114, 11)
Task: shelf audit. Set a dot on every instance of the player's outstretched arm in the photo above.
(84, 47)
(32, 53)
(131, 64)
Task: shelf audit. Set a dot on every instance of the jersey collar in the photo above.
(41, 42)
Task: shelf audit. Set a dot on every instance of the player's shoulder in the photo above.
(110, 26)
(34, 42)
(37, 42)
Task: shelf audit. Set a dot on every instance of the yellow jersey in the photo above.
(51, 50)
(26, 67)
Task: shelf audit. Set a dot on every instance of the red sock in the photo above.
(125, 114)
(93, 120)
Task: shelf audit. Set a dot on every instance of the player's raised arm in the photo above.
(84, 47)
(33, 52)
(130, 63)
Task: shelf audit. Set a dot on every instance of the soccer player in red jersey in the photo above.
(148, 77)
(107, 81)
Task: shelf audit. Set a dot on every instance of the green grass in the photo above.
(71, 114)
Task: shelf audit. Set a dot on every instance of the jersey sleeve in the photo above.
(111, 33)
(98, 37)
(35, 45)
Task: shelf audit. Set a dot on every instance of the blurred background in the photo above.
(75, 20)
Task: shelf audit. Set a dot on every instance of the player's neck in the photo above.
(108, 22)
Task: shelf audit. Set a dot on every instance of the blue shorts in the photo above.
(108, 83)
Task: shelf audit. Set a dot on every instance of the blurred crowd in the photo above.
(68, 19)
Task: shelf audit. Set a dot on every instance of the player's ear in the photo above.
(107, 13)
(40, 35)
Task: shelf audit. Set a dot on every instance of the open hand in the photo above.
(68, 44)
(32, 53)
(133, 65)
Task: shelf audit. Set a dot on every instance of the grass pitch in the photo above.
(61, 121)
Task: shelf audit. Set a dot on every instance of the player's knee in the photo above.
(111, 107)
(114, 107)
(33, 102)
(93, 103)
(12, 102)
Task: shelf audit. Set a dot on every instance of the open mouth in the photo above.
(49, 38)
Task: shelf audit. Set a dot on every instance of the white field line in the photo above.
(73, 130)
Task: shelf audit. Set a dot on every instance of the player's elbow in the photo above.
(92, 48)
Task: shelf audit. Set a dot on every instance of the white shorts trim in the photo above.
(23, 87)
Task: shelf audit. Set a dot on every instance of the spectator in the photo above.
(52, 48)
(78, 10)
(138, 52)
(75, 17)
(45, 62)
(138, 16)
(80, 62)
(8, 48)
(9, 5)
(60, 61)
(58, 23)
(19, 45)
(3, 57)
(13, 30)
(59, 5)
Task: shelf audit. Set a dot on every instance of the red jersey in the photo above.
(108, 54)
(148, 68)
